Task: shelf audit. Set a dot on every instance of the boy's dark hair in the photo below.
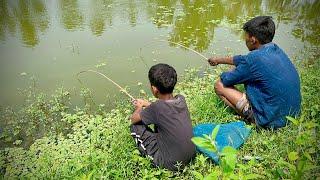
(164, 77)
(261, 27)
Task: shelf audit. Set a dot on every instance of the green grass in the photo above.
(99, 144)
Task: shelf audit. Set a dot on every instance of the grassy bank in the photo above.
(99, 144)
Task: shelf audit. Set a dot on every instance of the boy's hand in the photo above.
(139, 103)
(213, 61)
(223, 60)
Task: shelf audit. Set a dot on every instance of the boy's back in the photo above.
(174, 131)
(170, 142)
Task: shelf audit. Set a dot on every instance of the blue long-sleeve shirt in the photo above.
(272, 84)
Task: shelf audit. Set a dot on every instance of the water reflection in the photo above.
(304, 14)
(30, 17)
(101, 15)
(133, 13)
(191, 23)
(71, 17)
(161, 12)
(7, 21)
(195, 27)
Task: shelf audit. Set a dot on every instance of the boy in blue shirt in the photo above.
(271, 81)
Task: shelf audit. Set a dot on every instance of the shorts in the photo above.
(245, 109)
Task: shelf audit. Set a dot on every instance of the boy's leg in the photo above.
(236, 100)
(230, 95)
(145, 139)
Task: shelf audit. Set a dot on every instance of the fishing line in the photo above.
(103, 75)
(187, 48)
(142, 59)
(198, 53)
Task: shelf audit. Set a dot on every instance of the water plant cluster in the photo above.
(92, 142)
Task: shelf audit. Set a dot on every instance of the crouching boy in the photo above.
(271, 81)
(170, 142)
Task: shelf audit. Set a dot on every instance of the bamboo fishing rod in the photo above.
(103, 75)
(121, 88)
(188, 49)
(204, 57)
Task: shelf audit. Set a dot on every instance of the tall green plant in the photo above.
(299, 160)
(227, 157)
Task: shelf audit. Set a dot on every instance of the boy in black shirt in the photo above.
(171, 141)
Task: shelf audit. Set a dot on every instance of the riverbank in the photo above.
(98, 143)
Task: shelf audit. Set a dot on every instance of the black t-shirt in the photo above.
(174, 130)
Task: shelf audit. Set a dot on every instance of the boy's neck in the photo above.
(258, 46)
(165, 96)
(263, 45)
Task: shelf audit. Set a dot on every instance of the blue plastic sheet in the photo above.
(230, 134)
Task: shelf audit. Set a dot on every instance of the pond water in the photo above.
(54, 40)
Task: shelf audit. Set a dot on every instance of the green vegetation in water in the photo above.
(99, 145)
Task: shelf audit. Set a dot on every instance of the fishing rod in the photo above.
(188, 49)
(204, 57)
(103, 75)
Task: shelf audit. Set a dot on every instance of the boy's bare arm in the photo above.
(223, 60)
(139, 104)
(135, 117)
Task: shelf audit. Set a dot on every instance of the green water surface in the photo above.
(54, 40)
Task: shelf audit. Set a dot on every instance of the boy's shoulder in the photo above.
(161, 111)
(177, 102)
(263, 52)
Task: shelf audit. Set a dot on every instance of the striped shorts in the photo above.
(146, 141)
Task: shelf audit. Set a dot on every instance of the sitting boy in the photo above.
(271, 81)
(170, 142)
